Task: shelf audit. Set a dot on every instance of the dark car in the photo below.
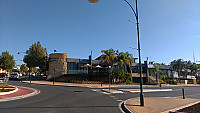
(3, 75)
(14, 76)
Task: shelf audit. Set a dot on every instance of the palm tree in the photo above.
(156, 71)
(194, 69)
(178, 65)
(109, 56)
(125, 59)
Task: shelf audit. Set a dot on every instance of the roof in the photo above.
(160, 66)
(75, 60)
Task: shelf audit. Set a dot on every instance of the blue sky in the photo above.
(169, 29)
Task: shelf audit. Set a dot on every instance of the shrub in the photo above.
(3, 89)
(162, 82)
(128, 82)
(6, 86)
(162, 77)
(175, 82)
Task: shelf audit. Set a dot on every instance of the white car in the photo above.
(20, 74)
(14, 76)
(32, 74)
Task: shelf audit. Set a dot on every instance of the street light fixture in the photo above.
(93, 1)
(140, 66)
(134, 48)
(55, 50)
(21, 52)
(132, 21)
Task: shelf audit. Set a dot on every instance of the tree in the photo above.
(155, 71)
(23, 68)
(194, 69)
(109, 56)
(6, 61)
(125, 59)
(121, 76)
(35, 70)
(178, 65)
(117, 75)
(35, 56)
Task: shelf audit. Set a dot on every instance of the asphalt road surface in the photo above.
(63, 99)
(190, 92)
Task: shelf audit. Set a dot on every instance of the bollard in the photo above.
(183, 93)
(101, 83)
(30, 78)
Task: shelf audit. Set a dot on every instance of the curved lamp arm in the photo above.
(131, 8)
(95, 1)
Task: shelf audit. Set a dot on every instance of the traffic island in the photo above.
(7, 89)
(19, 93)
(158, 104)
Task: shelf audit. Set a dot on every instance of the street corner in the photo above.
(157, 104)
(19, 93)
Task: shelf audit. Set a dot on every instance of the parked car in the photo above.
(3, 74)
(14, 76)
(3, 77)
(32, 74)
(42, 74)
(20, 74)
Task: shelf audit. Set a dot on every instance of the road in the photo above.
(60, 99)
(190, 92)
(63, 99)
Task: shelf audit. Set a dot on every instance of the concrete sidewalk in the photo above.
(99, 85)
(76, 84)
(159, 104)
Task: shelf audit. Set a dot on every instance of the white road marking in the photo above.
(94, 90)
(105, 93)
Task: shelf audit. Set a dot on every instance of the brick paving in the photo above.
(21, 91)
(157, 104)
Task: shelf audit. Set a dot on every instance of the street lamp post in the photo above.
(109, 67)
(140, 66)
(29, 67)
(54, 68)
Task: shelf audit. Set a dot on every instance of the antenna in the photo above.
(194, 57)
